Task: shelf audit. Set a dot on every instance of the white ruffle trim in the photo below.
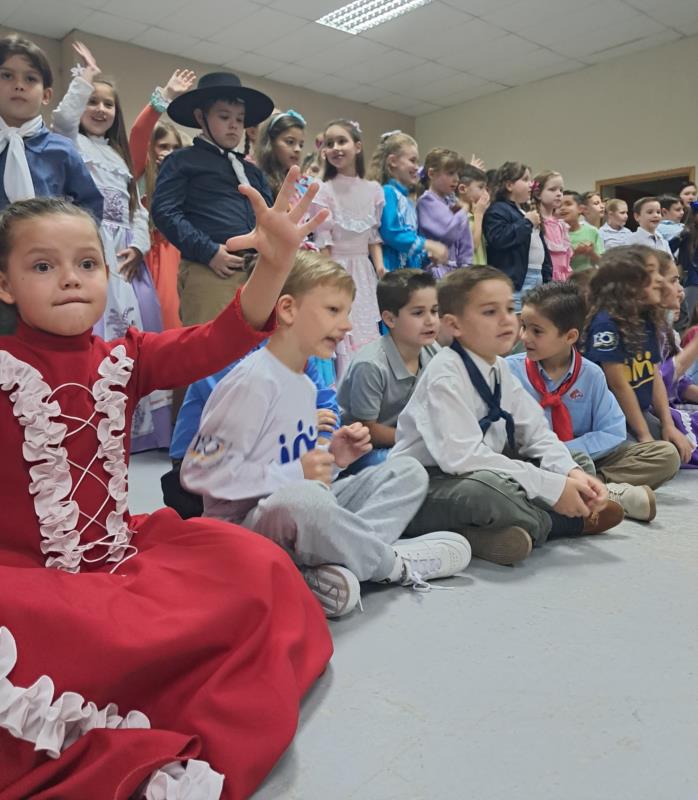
(97, 151)
(348, 223)
(194, 780)
(51, 482)
(32, 715)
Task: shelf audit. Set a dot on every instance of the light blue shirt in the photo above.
(669, 229)
(597, 420)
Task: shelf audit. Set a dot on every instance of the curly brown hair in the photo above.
(618, 288)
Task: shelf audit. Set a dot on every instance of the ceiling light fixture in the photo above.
(361, 15)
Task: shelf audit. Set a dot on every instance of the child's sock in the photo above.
(564, 526)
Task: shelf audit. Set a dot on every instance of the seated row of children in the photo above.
(509, 444)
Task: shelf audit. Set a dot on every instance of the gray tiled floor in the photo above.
(571, 677)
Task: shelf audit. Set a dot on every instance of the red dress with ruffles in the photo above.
(140, 656)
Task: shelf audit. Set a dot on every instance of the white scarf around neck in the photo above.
(17, 179)
(238, 168)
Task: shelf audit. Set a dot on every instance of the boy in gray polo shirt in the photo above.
(381, 378)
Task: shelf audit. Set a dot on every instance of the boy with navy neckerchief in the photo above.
(478, 432)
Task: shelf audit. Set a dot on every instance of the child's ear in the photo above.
(451, 324)
(572, 336)
(46, 99)
(6, 293)
(286, 309)
(359, 146)
(389, 318)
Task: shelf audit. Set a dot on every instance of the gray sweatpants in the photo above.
(353, 522)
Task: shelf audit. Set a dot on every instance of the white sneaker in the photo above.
(638, 502)
(431, 556)
(337, 588)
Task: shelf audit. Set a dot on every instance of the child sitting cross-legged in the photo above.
(622, 335)
(580, 407)
(256, 459)
(383, 375)
(477, 430)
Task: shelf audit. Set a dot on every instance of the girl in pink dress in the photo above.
(351, 235)
(546, 193)
(140, 656)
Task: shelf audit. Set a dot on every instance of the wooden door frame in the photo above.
(646, 176)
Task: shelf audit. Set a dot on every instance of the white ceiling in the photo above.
(444, 53)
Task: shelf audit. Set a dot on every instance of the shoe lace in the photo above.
(414, 579)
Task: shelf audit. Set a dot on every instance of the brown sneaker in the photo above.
(499, 545)
(601, 521)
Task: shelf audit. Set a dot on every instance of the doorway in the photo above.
(653, 184)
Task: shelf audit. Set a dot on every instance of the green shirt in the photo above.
(585, 234)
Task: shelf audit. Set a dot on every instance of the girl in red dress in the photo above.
(140, 656)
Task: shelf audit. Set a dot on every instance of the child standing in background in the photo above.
(439, 215)
(648, 214)
(613, 232)
(673, 213)
(279, 147)
(688, 193)
(473, 196)
(622, 336)
(151, 140)
(687, 257)
(587, 245)
(90, 115)
(514, 242)
(395, 165)
(350, 235)
(547, 196)
(592, 208)
(33, 161)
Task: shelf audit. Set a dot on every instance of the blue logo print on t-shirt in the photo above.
(308, 439)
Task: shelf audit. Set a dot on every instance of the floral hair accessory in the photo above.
(77, 70)
(421, 173)
(388, 134)
(354, 124)
(535, 187)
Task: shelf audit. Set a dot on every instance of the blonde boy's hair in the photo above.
(311, 269)
(614, 205)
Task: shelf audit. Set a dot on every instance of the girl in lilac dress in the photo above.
(440, 216)
(351, 235)
(676, 362)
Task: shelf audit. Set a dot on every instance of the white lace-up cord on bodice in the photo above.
(38, 410)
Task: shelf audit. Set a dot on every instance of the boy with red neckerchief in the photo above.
(580, 408)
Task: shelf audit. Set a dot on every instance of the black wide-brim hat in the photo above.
(220, 86)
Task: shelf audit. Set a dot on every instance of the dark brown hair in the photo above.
(455, 289)
(269, 132)
(16, 45)
(117, 136)
(509, 172)
(395, 288)
(618, 287)
(560, 302)
(354, 132)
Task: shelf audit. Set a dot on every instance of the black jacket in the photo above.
(508, 237)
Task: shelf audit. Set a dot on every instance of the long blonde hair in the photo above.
(161, 129)
(391, 144)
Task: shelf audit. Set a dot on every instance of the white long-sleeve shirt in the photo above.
(439, 427)
(255, 427)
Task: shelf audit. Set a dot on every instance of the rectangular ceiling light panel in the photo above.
(361, 15)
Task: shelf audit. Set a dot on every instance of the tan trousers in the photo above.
(202, 294)
(638, 463)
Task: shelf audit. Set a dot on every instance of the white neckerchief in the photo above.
(17, 179)
(238, 168)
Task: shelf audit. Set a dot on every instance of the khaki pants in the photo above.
(202, 294)
(638, 463)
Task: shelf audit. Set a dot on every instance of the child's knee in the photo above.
(668, 460)
(409, 472)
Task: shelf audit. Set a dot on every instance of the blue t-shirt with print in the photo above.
(604, 343)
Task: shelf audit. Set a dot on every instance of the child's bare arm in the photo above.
(686, 358)
(670, 433)
(381, 435)
(375, 251)
(627, 399)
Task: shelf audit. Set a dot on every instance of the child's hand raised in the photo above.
(90, 65)
(279, 232)
(181, 81)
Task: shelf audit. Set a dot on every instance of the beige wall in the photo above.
(138, 70)
(635, 114)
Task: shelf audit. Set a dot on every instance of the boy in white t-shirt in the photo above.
(256, 463)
